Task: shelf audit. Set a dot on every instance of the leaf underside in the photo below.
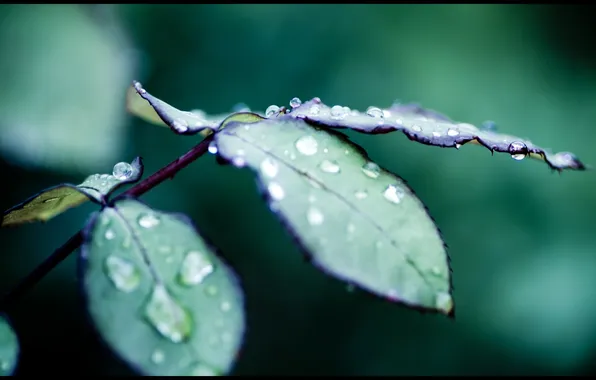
(57, 199)
(356, 221)
(158, 294)
(430, 128)
(9, 348)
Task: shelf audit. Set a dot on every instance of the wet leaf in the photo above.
(357, 221)
(9, 348)
(55, 200)
(430, 128)
(158, 294)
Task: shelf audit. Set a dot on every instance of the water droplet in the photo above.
(374, 112)
(371, 169)
(444, 302)
(295, 102)
(269, 167)
(202, 370)
(109, 235)
(325, 150)
(518, 150)
(416, 128)
(307, 145)
(351, 228)
(148, 220)
(393, 193)
(124, 275)
(49, 200)
(122, 171)
(436, 134)
(360, 194)
(329, 166)
(211, 290)
(386, 114)
(194, 269)
(311, 198)
(452, 132)
(379, 244)
(271, 111)
(212, 147)
(238, 161)
(338, 112)
(180, 125)
(276, 192)
(167, 316)
(436, 270)
(314, 216)
(225, 306)
(158, 356)
(457, 146)
(314, 110)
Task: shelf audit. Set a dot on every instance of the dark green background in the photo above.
(521, 238)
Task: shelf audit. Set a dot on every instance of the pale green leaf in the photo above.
(158, 294)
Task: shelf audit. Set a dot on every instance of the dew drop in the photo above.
(124, 275)
(211, 290)
(457, 146)
(167, 316)
(436, 134)
(311, 198)
(238, 161)
(361, 194)
(351, 228)
(110, 234)
(148, 220)
(452, 132)
(212, 147)
(194, 269)
(269, 167)
(295, 102)
(314, 110)
(122, 171)
(416, 128)
(307, 145)
(393, 194)
(314, 216)
(202, 370)
(444, 302)
(158, 356)
(436, 270)
(338, 112)
(225, 306)
(329, 166)
(271, 111)
(371, 169)
(180, 125)
(276, 191)
(374, 112)
(518, 150)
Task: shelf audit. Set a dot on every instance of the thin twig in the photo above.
(76, 240)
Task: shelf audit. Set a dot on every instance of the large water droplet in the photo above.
(158, 356)
(276, 191)
(124, 275)
(374, 112)
(452, 132)
(393, 193)
(307, 145)
(194, 269)
(371, 169)
(329, 166)
(122, 171)
(271, 111)
(314, 216)
(360, 194)
(518, 150)
(212, 147)
(148, 220)
(169, 318)
(338, 112)
(295, 102)
(269, 167)
(110, 234)
(202, 370)
(444, 302)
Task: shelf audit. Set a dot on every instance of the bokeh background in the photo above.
(521, 237)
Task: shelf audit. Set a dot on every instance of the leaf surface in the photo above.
(9, 348)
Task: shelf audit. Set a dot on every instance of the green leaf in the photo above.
(9, 348)
(430, 128)
(158, 294)
(357, 221)
(55, 200)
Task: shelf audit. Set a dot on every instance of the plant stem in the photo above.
(76, 240)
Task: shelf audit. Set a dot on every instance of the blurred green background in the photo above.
(521, 238)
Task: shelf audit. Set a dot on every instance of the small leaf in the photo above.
(55, 200)
(9, 348)
(158, 294)
(357, 221)
(430, 128)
